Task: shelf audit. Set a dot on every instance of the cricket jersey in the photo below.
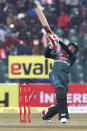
(63, 58)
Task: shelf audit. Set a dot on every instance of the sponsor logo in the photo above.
(29, 67)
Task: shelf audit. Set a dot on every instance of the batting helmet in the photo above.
(75, 45)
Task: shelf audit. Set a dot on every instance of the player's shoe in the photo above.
(63, 118)
(43, 113)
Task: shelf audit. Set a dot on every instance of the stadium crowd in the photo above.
(21, 32)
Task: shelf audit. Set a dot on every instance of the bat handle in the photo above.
(47, 30)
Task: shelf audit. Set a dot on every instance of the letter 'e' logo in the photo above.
(15, 69)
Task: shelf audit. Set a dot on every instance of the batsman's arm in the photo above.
(50, 53)
(54, 41)
(71, 55)
(65, 48)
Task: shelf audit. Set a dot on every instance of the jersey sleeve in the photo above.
(51, 53)
(65, 48)
(72, 57)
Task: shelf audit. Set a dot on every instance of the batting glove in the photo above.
(53, 38)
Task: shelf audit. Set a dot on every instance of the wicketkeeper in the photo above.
(64, 56)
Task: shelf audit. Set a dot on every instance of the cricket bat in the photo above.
(46, 26)
(43, 20)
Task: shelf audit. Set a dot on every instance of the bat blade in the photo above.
(43, 20)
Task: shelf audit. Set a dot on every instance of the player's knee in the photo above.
(61, 92)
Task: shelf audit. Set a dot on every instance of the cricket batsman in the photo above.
(64, 56)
